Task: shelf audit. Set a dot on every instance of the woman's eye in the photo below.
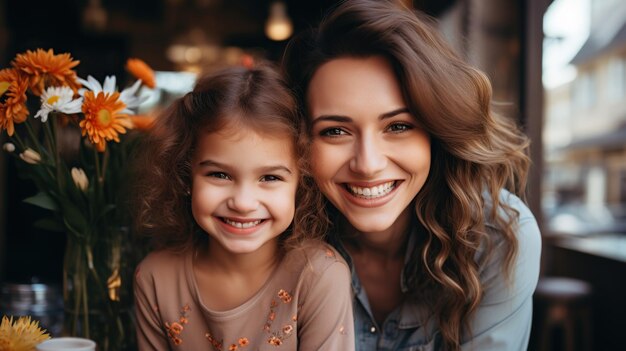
(333, 132)
(399, 127)
(270, 178)
(219, 175)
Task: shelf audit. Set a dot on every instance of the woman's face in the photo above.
(369, 155)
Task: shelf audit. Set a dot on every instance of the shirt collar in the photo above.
(410, 314)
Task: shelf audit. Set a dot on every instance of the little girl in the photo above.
(225, 197)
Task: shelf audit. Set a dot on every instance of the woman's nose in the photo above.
(243, 200)
(369, 158)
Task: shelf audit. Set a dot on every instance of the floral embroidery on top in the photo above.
(330, 253)
(276, 338)
(285, 296)
(217, 345)
(175, 328)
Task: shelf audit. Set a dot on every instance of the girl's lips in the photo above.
(241, 226)
(370, 194)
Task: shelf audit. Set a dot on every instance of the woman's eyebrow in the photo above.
(346, 119)
(332, 118)
(394, 113)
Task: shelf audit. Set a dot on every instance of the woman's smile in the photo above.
(369, 155)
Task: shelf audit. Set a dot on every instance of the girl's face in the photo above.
(369, 156)
(243, 187)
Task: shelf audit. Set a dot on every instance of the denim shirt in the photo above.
(503, 318)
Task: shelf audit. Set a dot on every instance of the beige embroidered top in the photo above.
(305, 305)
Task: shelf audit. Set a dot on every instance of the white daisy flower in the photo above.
(127, 96)
(58, 99)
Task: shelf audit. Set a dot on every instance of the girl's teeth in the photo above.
(242, 225)
(372, 192)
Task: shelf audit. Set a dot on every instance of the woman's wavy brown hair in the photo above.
(256, 98)
(475, 153)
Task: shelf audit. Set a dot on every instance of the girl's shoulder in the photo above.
(162, 263)
(317, 252)
(314, 256)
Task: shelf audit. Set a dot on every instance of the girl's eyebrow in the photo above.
(346, 119)
(272, 169)
(264, 169)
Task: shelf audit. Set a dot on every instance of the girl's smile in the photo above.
(241, 226)
(244, 187)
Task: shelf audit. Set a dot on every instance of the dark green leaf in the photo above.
(49, 224)
(42, 200)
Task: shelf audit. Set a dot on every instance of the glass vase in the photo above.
(97, 289)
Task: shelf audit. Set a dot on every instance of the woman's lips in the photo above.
(372, 194)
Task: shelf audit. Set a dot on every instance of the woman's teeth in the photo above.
(372, 192)
(242, 225)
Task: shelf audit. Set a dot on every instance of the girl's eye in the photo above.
(219, 175)
(333, 132)
(270, 178)
(399, 127)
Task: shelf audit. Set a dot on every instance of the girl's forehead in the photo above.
(238, 133)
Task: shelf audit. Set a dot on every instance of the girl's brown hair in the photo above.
(474, 151)
(256, 98)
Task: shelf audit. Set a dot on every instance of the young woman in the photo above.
(238, 263)
(422, 181)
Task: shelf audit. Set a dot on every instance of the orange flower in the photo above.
(141, 70)
(12, 100)
(232, 347)
(103, 120)
(243, 341)
(142, 122)
(44, 69)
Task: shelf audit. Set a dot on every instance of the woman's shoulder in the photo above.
(526, 232)
(525, 222)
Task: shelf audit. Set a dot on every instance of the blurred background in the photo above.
(557, 66)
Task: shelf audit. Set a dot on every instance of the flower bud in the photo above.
(30, 156)
(80, 179)
(8, 147)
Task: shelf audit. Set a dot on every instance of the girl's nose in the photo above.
(243, 200)
(369, 158)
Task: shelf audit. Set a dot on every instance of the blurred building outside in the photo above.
(584, 137)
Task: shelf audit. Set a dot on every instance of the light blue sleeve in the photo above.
(503, 319)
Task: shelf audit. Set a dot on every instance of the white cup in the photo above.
(67, 344)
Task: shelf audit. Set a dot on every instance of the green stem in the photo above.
(33, 137)
(96, 158)
(105, 162)
(50, 131)
(19, 141)
(50, 138)
(76, 286)
(85, 302)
